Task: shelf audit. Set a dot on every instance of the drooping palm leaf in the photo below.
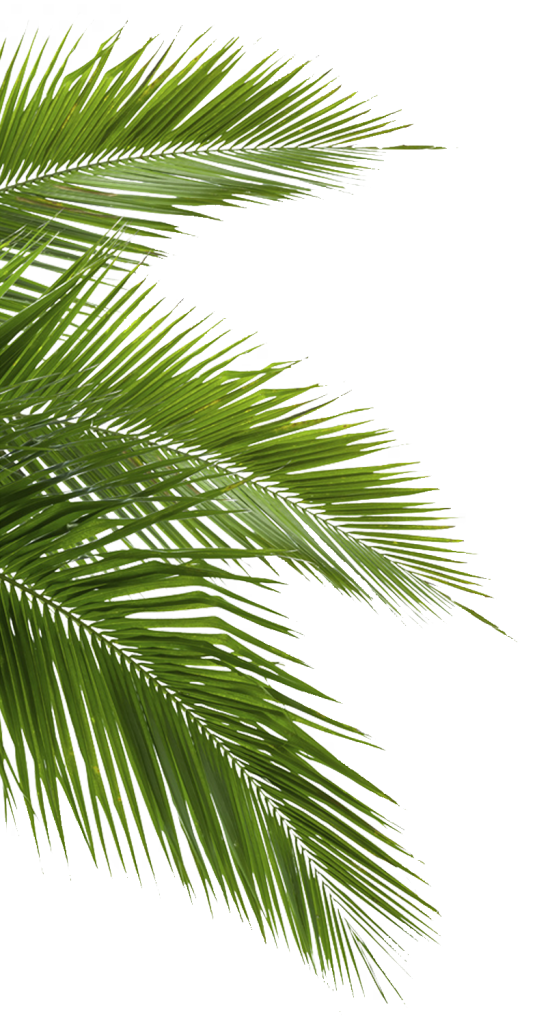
(360, 527)
(147, 139)
(147, 491)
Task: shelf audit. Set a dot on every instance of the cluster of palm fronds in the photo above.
(150, 485)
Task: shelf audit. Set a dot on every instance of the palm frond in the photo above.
(276, 452)
(148, 139)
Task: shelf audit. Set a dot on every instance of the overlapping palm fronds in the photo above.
(150, 487)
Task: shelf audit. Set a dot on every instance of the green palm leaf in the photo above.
(147, 139)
